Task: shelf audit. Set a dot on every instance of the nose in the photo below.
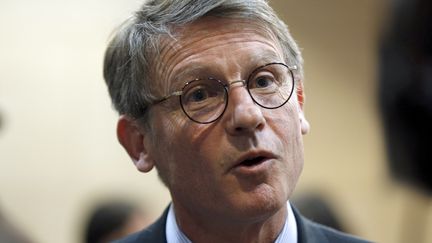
(242, 115)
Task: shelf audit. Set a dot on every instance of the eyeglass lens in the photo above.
(205, 100)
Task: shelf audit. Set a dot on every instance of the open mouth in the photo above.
(253, 161)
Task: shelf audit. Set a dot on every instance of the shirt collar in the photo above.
(175, 235)
(289, 231)
(172, 231)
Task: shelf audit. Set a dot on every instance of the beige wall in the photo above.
(58, 151)
(58, 148)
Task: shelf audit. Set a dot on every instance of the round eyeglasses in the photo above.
(205, 100)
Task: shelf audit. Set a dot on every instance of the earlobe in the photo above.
(144, 163)
(304, 124)
(131, 137)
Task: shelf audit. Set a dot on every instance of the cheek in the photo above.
(178, 151)
(294, 142)
(291, 130)
(163, 140)
(285, 122)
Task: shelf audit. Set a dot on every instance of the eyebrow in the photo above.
(192, 72)
(264, 58)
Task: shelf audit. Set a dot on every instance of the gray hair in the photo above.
(134, 48)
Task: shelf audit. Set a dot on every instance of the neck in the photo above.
(210, 228)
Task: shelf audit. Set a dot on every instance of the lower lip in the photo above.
(255, 169)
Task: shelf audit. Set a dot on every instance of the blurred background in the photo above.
(59, 155)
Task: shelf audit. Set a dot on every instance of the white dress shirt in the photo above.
(175, 235)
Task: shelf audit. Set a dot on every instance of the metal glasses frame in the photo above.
(227, 86)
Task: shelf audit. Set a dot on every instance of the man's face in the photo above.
(244, 165)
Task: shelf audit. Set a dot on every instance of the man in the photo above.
(210, 93)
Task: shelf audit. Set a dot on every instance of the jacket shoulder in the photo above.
(311, 232)
(331, 235)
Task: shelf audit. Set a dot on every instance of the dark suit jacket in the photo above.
(308, 232)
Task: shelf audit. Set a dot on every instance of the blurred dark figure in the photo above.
(113, 220)
(405, 92)
(316, 208)
(405, 96)
(10, 234)
(1, 120)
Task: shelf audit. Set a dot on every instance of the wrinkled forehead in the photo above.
(183, 36)
(203, 34)
(207, 25)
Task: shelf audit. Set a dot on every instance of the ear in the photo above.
(132, 137)
(304, 124)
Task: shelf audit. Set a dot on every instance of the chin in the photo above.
(263, 202)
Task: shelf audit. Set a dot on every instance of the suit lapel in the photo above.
(307, 231)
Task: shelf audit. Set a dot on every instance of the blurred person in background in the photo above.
(8, 232)
(405, 99)
(112, 220)
(210, 93)
(11, 234)
(317, 208)
(405, 91)
(1, 120)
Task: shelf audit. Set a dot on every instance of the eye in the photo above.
(201, 92)
(263, 81)
(197, 94)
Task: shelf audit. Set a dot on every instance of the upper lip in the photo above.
(253, 155)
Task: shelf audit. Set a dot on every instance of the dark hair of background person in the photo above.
(405, 92)
(112, 220)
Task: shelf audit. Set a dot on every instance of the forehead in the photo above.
(216, 44)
